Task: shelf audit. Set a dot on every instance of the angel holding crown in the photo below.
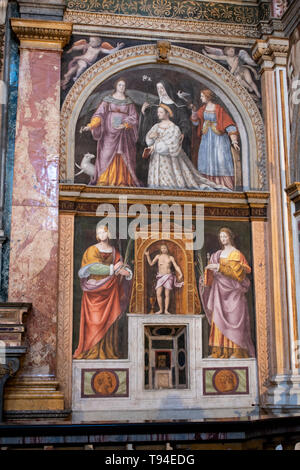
(89, 53)
(241, 65)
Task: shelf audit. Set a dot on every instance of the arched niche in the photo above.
(236, 99)
(186, 299)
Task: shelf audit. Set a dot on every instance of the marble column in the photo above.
(33, 274)
(283, 390)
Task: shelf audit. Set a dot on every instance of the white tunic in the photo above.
(169, 165)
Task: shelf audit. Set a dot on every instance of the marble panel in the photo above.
(37, 133)
(33, 278)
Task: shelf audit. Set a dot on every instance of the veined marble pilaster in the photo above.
(34, 227)
(272, 56)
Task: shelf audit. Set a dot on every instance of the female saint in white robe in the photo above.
(169, 166)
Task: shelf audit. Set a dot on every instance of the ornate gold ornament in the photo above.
(163, 49)
(225, 381)
(50, 34)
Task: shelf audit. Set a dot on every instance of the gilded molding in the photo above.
(94, 193)
(42, 34)
(293, 191)
(270, 52)
(149, 25)
(177, 55)
(65, 306)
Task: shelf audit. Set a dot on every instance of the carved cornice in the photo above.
(270, 52)
(39, 34)
(85, 200)
(70, 191)
(293, 192)
(186, 10)
(163, 26)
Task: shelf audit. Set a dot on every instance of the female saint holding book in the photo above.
(224, 301)
(115, 127)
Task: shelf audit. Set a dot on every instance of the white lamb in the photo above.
(86, 166)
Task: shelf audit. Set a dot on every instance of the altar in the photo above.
(142, 385)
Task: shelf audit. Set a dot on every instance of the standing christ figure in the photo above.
(166, 280)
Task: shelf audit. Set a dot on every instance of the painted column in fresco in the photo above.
(272, 56)
(34, 226)
(259, 235)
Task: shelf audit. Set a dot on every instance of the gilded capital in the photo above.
(40, 34)
(271, 52)
(293, 191)
(163, 49)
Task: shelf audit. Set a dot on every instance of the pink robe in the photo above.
(113, 141)
(225, 304)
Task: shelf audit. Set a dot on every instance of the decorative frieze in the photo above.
(157, 26)
(188, 10)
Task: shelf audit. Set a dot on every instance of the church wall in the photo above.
(55, 206)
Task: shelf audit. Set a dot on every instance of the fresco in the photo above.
(157, 127)
(223, 289)
(102, 283)
(84, 53)
(113, 277)
(240, 64)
